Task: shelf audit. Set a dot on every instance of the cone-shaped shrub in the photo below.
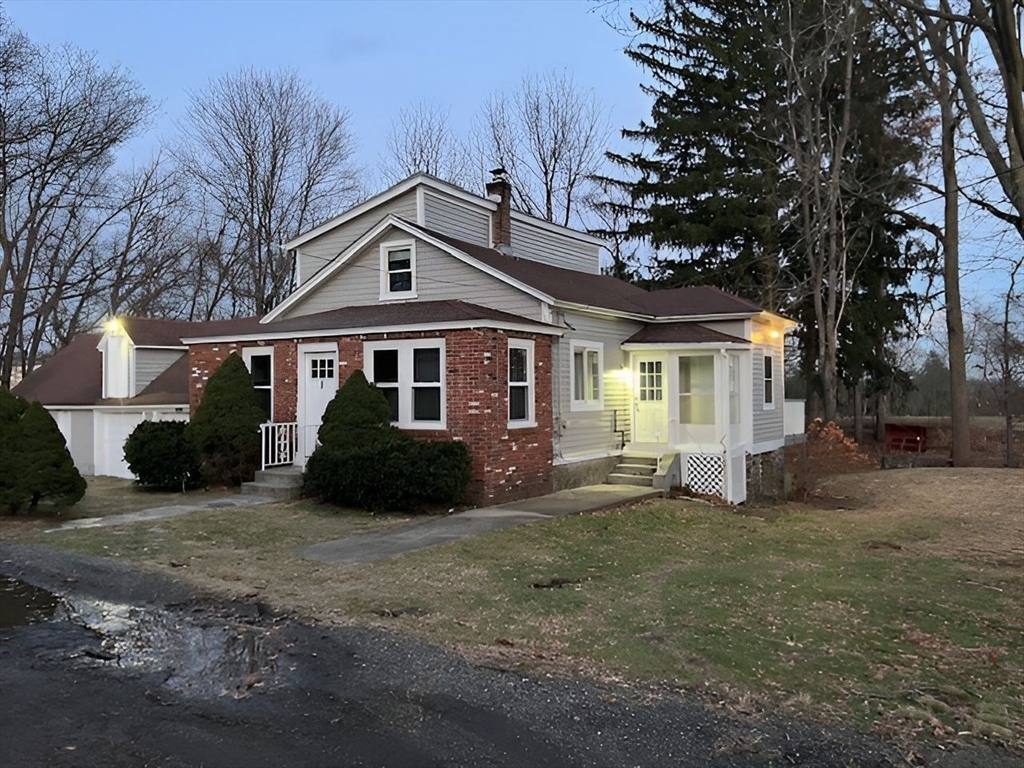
(356, 407)
(225, 428)
(160, 456)
(42, 466)
(12, 408)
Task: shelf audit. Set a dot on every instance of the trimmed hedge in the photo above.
(160, 455)
(391, 473)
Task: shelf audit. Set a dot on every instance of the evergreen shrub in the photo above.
(35, 464)
(160, 456)
(225, 429)
(362, 461)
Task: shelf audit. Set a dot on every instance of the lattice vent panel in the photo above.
(705, 473)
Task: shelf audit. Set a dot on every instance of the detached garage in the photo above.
(71, 385)
(102, 385)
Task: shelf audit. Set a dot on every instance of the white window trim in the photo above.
(405, 349)
(385, 248)
(586, 346)
(531, 406)
(247, 354)
(768, 375)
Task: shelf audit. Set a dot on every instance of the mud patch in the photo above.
(22, 603)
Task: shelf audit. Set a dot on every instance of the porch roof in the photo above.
(682, 333)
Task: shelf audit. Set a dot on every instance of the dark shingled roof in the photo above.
(681, 333)
(73, 376)
(156, 332)
(410, 313)
(601, 290)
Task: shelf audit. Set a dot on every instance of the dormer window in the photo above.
(398, 270)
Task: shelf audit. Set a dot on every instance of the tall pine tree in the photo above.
(782, 139)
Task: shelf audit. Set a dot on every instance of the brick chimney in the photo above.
(500, 190)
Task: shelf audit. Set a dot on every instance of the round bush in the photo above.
(160, 455)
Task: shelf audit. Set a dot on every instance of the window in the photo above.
(260, 362)
(398, 270)
(520, 383)
(697, 390)
(410, 375)
(587, 366)
(769, 382)
(650, 387)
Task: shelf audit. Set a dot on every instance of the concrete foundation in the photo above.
(580, 473)
(766, 476)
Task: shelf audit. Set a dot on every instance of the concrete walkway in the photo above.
(421, 534)
(159, 513)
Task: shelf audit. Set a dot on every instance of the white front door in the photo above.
(650, 408)
(320, 382)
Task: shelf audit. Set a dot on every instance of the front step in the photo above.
(275, 483)
(634, 470)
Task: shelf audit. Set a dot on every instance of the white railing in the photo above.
(278, 442)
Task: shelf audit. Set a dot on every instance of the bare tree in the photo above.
(550, 136)
(996, 115)
(275, 158)
(62, 116)
(945, 51)
(421, 140)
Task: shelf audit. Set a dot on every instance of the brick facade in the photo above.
(508, 464)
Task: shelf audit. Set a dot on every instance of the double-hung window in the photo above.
(587, 366)
(697, 389)
(520, 384)
(398, 270)
(769, 382)
(260, 362)
(410, 375)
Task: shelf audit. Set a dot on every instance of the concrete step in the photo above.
(282, 477)
(271, 491)
(650, 461)
(635, 469)
(616, 479)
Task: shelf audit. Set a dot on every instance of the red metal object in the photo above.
(906, 437)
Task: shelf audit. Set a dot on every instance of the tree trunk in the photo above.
(858, 411)
(961, 453)
(881, 416)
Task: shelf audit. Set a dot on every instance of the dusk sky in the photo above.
(372, 58)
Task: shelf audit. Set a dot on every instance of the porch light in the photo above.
(773, 334)
(114, 327)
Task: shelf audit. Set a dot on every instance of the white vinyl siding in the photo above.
(456, 219)
(586, 433)
(150, 363)
(439, 276)
(768, 424)
(321, 251)
(534, 243)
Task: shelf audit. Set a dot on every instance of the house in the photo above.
(102, 385)
(489, 326)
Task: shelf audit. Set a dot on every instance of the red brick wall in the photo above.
(508, 464)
